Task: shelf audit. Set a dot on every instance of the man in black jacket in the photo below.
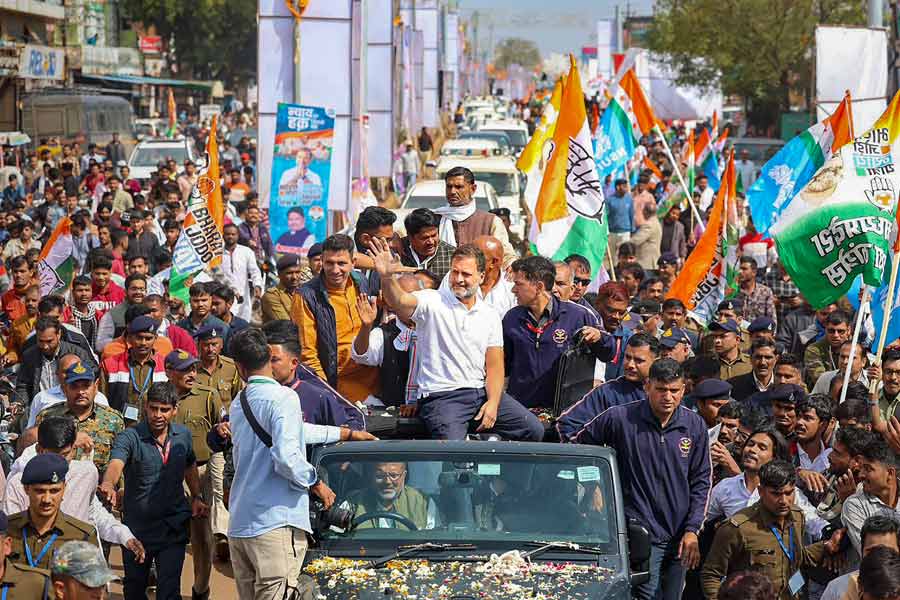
(763, 355)
(38, 370)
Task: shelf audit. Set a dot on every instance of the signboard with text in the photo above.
(42, 62)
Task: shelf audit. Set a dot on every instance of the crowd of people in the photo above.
(135, 419)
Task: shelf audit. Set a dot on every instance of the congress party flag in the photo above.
(793, 166)
(709, 274)
(531, 161)
(570, 208)
(200, 245)
(56, 264)
(532, 154)
(841, 224)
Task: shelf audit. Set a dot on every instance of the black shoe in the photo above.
(195, 595)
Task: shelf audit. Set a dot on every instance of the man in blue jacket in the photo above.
(664, 463)
(538, 331)
(640, 352)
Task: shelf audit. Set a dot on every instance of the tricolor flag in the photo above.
(794, 165)
(173, 116)
(841, 224)
(690, 168)
(636, 106)
(570, 208)
(715, 124)
(706, 159)
(719, 144)
(655, 174)
(200, 245)
(708, 275)
(628, 116)
(531, 161)
(56, 264)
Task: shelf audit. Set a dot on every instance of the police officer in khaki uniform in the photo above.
(18, 582)
(214, 370)
(733, 361)
(38, 531)
(199, 409)
(220, 373)
(767, 537)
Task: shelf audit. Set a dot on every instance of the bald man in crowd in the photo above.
(496, 289)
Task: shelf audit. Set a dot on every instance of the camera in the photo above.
(339, 515)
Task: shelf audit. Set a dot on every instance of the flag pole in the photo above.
(687, 193)
(864, 299)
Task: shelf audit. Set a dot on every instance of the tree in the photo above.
(761, 50)
(210, 39)
(518, 51)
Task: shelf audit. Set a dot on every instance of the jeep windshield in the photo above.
(494, 500)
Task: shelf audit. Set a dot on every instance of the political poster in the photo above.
(301, 171)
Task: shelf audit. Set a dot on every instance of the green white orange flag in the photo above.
(636, 105)
(841, 223)
(569, 212)
(200, 245)
(56, 264)
(532, 160)
(709, 272)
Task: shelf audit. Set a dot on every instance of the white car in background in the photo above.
(147, 155)
(483, 148)
(502, 174)
(431, 194)
(515, 129)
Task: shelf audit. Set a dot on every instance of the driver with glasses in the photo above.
(387, 494)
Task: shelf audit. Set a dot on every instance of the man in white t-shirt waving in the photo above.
(460, 345)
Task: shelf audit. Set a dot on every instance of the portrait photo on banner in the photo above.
(301, 169)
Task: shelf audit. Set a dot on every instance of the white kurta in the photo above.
(242, 271)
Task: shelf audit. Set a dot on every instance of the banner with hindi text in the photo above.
(301, 170)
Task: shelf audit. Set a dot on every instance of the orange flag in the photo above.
(640, 107)
(706, 262)
(551, 203)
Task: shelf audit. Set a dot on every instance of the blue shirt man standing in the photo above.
(664, 462)
(157, 457)
(269, 509)
(620, 211)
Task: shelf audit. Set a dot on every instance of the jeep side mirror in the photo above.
(638, 552)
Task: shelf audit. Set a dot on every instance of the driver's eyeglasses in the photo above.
(832, 330)
(582, 281)
(618, 314)
(892, 372)
(394, 477)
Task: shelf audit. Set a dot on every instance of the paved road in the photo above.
(221, 587)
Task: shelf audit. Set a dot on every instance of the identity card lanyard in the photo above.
(31, 561)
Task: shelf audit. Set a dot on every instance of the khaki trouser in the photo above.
(218, 514)
(267, 566)
(202, 543)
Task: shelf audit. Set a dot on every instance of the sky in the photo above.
(568, 26)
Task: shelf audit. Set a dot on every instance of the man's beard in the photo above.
(388, 495)
(465, 295)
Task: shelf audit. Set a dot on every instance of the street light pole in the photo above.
(876, 16)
